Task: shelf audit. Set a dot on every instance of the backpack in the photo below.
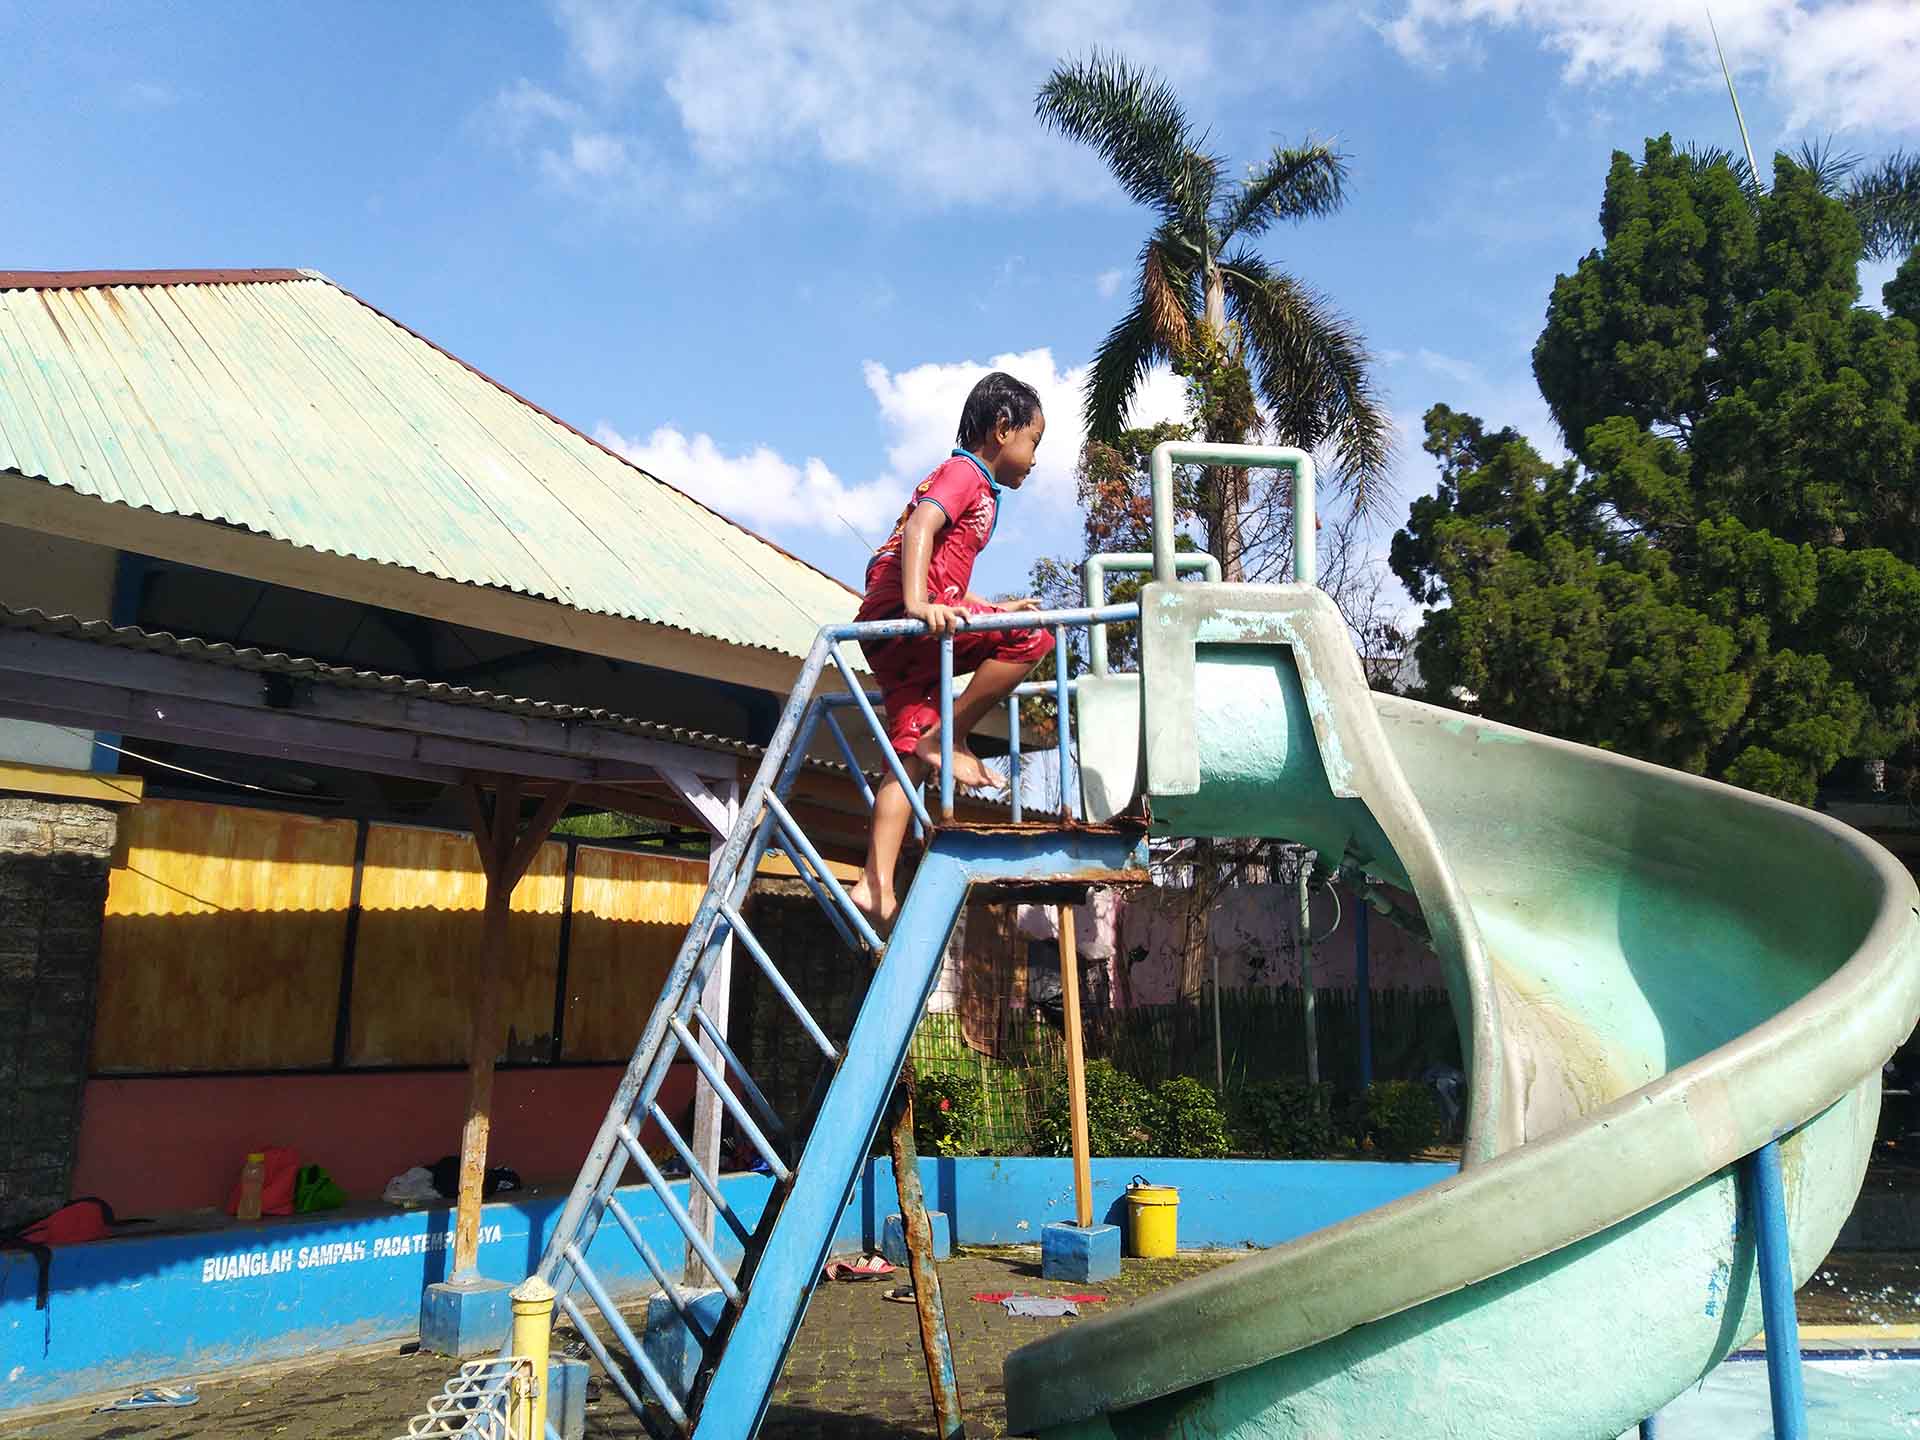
(75, 1223)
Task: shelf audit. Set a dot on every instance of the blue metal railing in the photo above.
(765, 821)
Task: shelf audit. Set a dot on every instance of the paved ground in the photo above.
(855, 1373)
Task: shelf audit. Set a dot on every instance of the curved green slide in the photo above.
(1654, 975)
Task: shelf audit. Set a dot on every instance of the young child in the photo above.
(923, 572)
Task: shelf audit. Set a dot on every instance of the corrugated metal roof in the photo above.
(278, 402)
(217, 652)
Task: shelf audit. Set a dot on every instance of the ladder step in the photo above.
(791, 830)
(678, 1212)
(710, 1034)
(615, 1371)
(741, 1118)
(656, 1269)
(779, 982)
(700, 1176)
(821, 898)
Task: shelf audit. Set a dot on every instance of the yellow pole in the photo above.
(532, 1332)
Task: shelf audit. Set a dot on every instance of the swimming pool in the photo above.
(1859, 1394)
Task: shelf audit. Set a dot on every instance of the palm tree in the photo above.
(1199, 271)
(1884, 199)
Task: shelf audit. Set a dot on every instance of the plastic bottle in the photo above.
(253, 1177)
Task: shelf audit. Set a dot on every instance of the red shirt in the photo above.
(964, 491)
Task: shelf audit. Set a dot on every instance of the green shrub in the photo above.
(1188, 1121)
(1120, 1115)
(1402, 1116)
(1286, 1119)
(946, 1113)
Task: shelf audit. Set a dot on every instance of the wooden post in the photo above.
(936, 1344)
(1076, 1070)
(505, 853)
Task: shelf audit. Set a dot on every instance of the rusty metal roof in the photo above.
(276, 401)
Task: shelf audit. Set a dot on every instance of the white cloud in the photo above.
(935, 101)
(757, 487)
(919, 409)
(1108, 283)
(1840, 64)
(559, 138)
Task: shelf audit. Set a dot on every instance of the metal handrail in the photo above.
(1169, 453)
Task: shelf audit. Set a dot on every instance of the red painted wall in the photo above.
(151, 1146)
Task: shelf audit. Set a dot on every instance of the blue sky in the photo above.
(766, 246)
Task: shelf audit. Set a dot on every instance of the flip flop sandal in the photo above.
(900, 1295)
(155, 1397)
(867, 1267)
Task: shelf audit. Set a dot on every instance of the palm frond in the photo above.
(1311, 366)
(1886, 202)
(1133, 119)
(1828, 165)
(1166, 292)
(1702, 158)
(1295, 184)
(1119, 365)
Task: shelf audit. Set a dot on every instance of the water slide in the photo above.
(1654, 975)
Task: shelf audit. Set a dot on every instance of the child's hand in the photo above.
(940, 618)
(1027, 603)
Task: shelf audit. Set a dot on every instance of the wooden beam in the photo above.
(505, 852)
(1076, 1069)
(55, 783)
(263, 730)
(446, 724)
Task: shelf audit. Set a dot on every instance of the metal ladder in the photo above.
(765, 1297)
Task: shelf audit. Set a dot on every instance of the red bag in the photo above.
(276, 1192)
(85, 1219)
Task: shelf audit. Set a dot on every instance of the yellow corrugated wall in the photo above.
(226, 929)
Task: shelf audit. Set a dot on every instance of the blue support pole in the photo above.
(1766, 1200)
(946, 726)
(1650, 1428)
(1363, 991)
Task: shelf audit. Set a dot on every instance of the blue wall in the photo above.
(1223, 1203)
(132, 1310)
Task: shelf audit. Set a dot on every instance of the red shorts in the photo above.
(909, 671)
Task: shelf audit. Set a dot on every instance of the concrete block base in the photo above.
(670, 1345)
(567, 1397)
(465, 1318)
(893, 1239)
(1068, 1252)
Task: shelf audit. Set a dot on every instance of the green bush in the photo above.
(1286, 1119)
(1402, 1116)
(1120, 1115)
(946, 1113)
(1188, 1121)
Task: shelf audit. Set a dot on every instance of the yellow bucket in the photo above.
(1153, 1215)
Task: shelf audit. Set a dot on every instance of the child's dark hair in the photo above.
(997, 397)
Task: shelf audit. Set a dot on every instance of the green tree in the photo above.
(1206, 301)
(1722, 577)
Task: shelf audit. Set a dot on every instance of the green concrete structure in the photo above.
(1654, 975)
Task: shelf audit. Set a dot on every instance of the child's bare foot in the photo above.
(880, 910)
(967, 769)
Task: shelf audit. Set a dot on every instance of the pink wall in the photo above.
(158, 1145)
